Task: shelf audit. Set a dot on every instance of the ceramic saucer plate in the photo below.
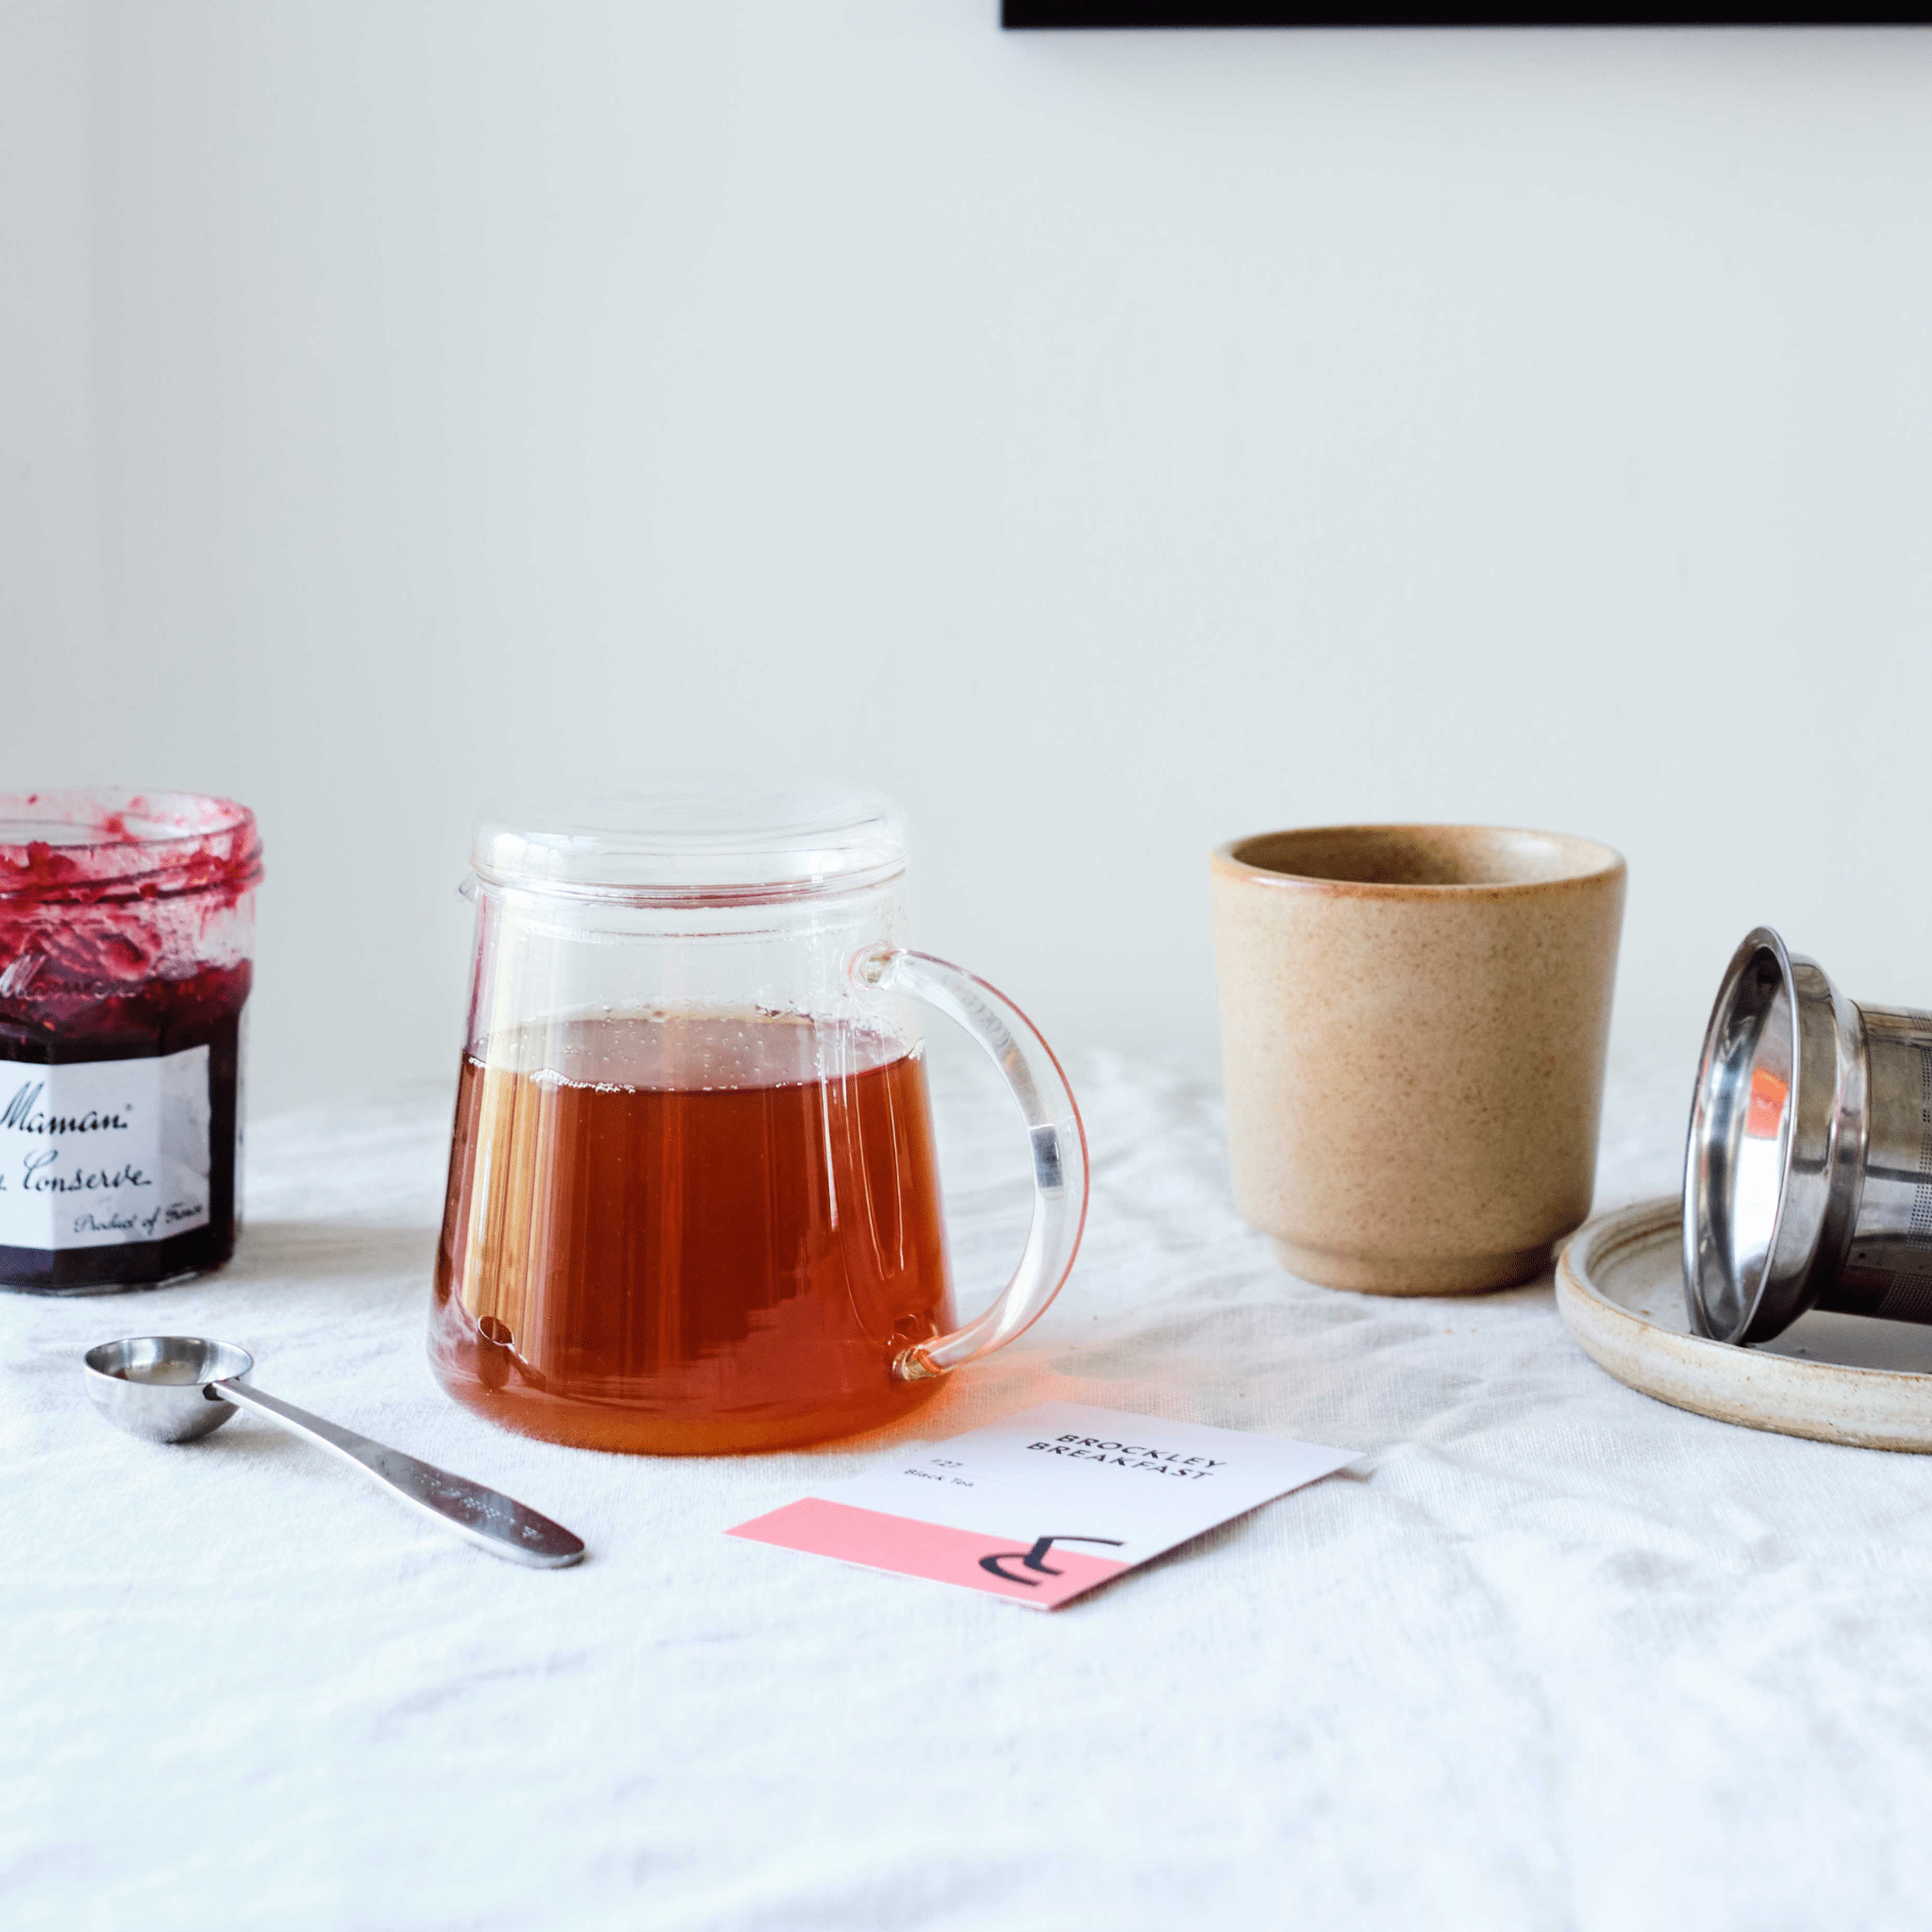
(1836, 1378)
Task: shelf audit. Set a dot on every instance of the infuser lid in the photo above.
(700, 838)
(1772, 1161)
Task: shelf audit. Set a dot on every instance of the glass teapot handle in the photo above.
(1053, 1125)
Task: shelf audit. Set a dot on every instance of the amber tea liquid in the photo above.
(688, 1234)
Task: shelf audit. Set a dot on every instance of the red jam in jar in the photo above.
(126, 941)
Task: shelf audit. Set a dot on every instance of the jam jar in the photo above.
(126, 934)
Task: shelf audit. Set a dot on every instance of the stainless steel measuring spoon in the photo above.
(174, 1387)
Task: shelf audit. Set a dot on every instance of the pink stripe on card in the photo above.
(1020, 1570)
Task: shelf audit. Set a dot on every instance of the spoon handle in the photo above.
(497, 1522)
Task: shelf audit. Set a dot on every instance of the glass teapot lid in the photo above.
(695, 838)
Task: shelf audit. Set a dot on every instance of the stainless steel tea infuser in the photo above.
(174, 1387)
(1807, 1176)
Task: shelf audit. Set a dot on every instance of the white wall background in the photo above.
(1108, 443)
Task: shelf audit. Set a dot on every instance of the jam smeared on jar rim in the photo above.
(71, 845)
(126, 926)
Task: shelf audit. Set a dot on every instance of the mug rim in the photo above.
(1595, 861)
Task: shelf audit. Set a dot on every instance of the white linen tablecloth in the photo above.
(1551, 1655)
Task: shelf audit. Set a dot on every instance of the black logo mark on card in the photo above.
(1035, 1559)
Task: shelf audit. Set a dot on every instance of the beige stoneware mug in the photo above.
(1413, 1024)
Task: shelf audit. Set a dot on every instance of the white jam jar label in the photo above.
(95, 1153)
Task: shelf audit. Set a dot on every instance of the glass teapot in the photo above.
(694, 1204)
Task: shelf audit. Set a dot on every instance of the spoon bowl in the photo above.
(156, 1386)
